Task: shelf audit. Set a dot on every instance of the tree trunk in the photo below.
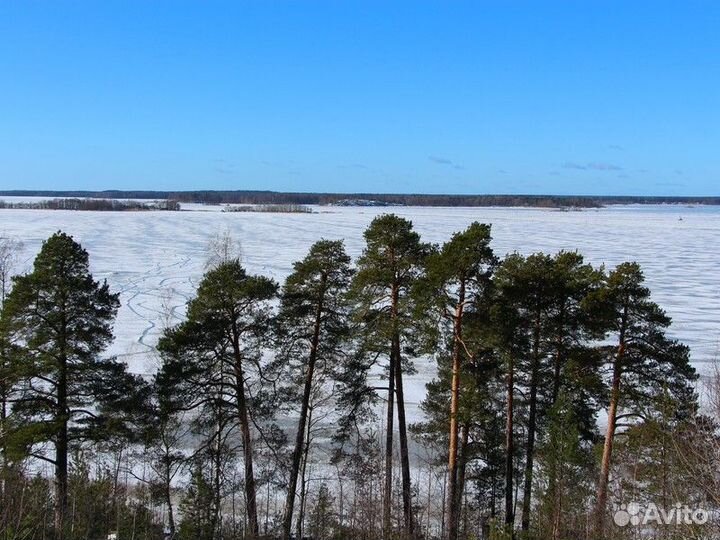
(3, 422)
(61, 481)
(216, 479)
(303, 480)
(452, 491)
(167, 480)
(602, 490)
(428, 504)
(444, 504)
(250, 491)
(404, 452)
(61, 448)
(462, 467)
(300, 436)
(402, 425)
(3, 445)
(168, 501)
(341, 515)
(558, 496)
(557, 372)
(509, 447)
(559, 357)
(387, 493)
(532, 426)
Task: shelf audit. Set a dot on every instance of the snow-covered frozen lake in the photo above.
(155, 259)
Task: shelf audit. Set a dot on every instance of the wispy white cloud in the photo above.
(592, 166)
(446, 161)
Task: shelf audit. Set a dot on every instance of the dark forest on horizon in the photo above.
(368, 199)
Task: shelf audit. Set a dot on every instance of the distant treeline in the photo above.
(109, 205)
(274, 197)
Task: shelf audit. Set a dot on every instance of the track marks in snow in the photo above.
(155, 260)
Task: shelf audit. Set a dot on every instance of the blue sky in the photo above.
(573, 97)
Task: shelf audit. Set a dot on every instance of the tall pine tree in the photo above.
(59, 320)
(542, 320)
(213, 359)
(643, 363)
(513, 343)
(457, 279)
(9, 252)
(386, 271)
(313, 329)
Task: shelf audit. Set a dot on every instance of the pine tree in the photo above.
(571, 330)
(457, 279)
(59, 320)
(479, 415)
(322, 517)
(567, 464)
(313, 328)
(513, 344)
(197, 508)
(386, 272)
(212, 361)
(644, 363)
(9, 251)
(656, 462)
(531, 287)
(542, 320)
(165, 426)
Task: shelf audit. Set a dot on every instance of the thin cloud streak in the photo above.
(592, 166)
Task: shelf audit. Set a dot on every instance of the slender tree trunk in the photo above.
(216, 479)
(341, 516)
(3, 445)
(444, 503)
(559, 358)
(404, 452)
(452, 491)
(556, 379)
(168, 502)
(61, 481)
(557, 371)
(167, 481)
(462, 467)
(116, 489)
(428, 504)
(303, 479)
(244, 418)
(387, 493)
(61, 449)
(4, 391)
(267, 509)
(602, 491)
(4, 397)
(300, 436)
(509, 447)
(402, 425)
(557, 511)
(532, 427)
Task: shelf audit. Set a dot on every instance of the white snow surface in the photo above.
(156, 259)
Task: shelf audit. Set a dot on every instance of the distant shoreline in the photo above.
(366, 199)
